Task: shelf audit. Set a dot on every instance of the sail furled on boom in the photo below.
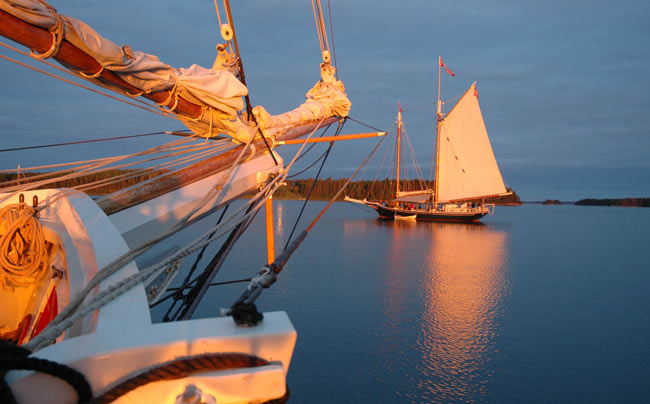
(467, 168)
(217, 91)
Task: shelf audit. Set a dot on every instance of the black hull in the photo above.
(389, 213)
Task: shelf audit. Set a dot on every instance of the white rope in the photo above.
(71, 314)
(128, 257)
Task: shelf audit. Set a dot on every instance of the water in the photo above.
(540, 304)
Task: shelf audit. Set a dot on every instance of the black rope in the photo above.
(364, 124)
(82, 141)
(179, 295)
(179, 368)
(309, 166)
(313, 144)
(302, 209)
(13, 357)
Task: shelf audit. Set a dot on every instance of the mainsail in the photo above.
(467, 168)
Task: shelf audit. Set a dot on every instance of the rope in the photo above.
(22, 246)
(57, 31)
(329, 13)
(302, 209)
(14, 357)
(364, 124)
(63, 320)
(268, 274)
(87, 88)
(179, 368)
(81, 141)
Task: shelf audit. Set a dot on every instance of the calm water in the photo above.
(540, 304)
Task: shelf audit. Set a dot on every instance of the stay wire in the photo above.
(329, 12)
(338, 131)
(186, 281)
(313, 144)
(364, 124)
(82, 141)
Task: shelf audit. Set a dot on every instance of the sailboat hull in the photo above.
(459, 215)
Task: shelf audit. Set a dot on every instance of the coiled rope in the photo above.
(23, 255)
(13, 357)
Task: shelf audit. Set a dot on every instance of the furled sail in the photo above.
(467, 168)
(214, 95)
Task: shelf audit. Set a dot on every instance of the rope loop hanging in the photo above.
(58, 32)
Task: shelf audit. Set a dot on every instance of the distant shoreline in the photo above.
(620, 202)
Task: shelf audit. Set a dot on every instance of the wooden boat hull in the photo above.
(390, 213)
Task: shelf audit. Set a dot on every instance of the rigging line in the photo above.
(318, 31)
(220, 283)
(81, 141)
(186, 281)
(153, 169)
(88, 88)
(313, 185)
(329, 12)
(313, 144)
(311, 225)
(364, 124)
(254, 289)
(197, 292)
(216, 7)
(52, 65)
(383, 163)
(72, 163)
(72, 311)
(91, 169)
(309, 166)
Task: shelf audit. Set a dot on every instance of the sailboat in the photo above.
(466, 170)
(75, 287)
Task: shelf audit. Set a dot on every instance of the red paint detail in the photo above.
(49, 312)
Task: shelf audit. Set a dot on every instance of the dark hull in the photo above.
(385, 212)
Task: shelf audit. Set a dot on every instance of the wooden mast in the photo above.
(399, 135)
(438, 122)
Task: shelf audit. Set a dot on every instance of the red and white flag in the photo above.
(449, 72)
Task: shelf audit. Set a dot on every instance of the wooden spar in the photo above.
(270, 240)
(195, 172)
(40, 40)
(332, 138)
(475, 198)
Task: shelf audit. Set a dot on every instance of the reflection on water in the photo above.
(461, 280)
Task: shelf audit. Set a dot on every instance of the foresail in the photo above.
(208, 101)
(466, 165)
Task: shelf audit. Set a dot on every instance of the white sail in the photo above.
(467, 168)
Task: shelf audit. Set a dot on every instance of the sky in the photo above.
(564, 85)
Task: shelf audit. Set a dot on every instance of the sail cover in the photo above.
(217, 91)
(466, 165)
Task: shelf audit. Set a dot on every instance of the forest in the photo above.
(372, 190)
(325, 189)
(632, 202)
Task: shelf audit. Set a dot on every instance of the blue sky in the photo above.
(564, 85)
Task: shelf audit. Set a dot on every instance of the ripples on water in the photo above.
(540, 304)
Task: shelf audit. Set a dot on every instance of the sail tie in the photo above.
(57, 31)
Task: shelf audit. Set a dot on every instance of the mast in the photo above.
(399, 135)
(438, 122)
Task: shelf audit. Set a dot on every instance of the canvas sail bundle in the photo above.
(217, 91)
(466, 165)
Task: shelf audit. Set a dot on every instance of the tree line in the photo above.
(324, 189)
(384, 189)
